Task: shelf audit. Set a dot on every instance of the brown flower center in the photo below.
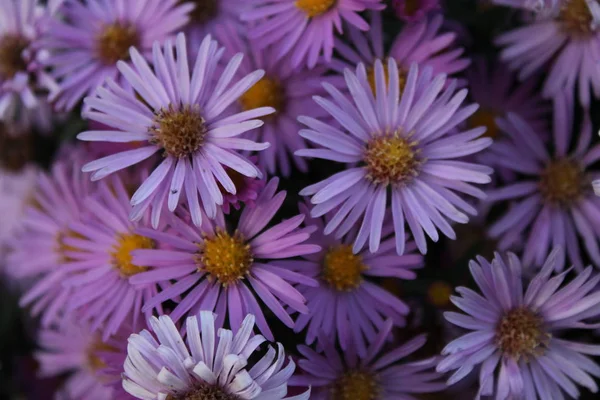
(226, 257)
(563, 181)
(342, 269)
(412, 6)
(520, 333)
(314, 8)
(391, 159)
(486, 118)
(114, 41)
(11, 55)
(355, 385)
(576, 18)
(264, 93)
(180, 132)
(205, 392)
(16, 150)
(204, 11)
(122, 258)
(402, 76)
(439, 293)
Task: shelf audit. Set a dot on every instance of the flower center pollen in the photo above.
(180, 132)
(225, 257)
(563, 181)
(314, 8)
(391, 159)
(402, 76)
(204, 11)
(486, 118)
(576, 18)
(11, 55)
(520, 333)
(342, 269)
(114, 41)
(205, 392)
(122, 258)
(265, 93)
(355, 385)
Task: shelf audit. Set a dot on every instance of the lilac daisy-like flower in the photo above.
(380, 375)
(516, 331)
(346, 304)
(212, 363)
(553, 203)
(226, 268)
(567, 41)
(182, 114)
(414, 10)
(87, 39)
(304, 30)
(401, 147)
(75, 349)
(420, 43)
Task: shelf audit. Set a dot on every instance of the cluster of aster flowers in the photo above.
(276, 199)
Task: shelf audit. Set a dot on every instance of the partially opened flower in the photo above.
(212, 363)
(566, 42)
(304, 30)
(515, 329)
(553, 203)
(385, 372)
(422, 43)
(347, 304)
(414, 10)
(227, 267)
(87, 39)
(402, 150)
(181, 113)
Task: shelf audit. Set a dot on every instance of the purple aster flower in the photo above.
(347, 304)
(87, 39)
(213, 365)
(414, 10)
(553, 203)
(515, 331)
(287, 90)
(567, 41)
(226, 268)
(402, 148)
(380, 375)
(75, 349)
(420, 43)
(181, 113)
(304, 30)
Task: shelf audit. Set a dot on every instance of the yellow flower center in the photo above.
(563, 181)
(225, 257)
(439, 293)
(520, 333)
(342, 269)
(355, 385)
(576, 18)
(487, 118)
(204, 11)
(114, 41)
(391, 159)
(179, 132)
(94, 360)
(265, 93)
(314, 8)
(62, 248)
(402, 76)
(122, 258)
(11, 59)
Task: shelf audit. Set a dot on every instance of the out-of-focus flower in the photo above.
(211, 364)
(414, 10)
(209, 15)
(402, 147)
(515, 338)
(554, 203)
(304, 30)
(86, 39)
(228, 268)
(180, 112)
(381, 374)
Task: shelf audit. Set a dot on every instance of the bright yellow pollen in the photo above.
(342, 269)
(94, 361)
(391, 159)
(576, 18)
(114, 41)
(180, 132)
(439, 293)
(265, 93)
(520, 333)
(563, 181)
(402, 75)
(225, 257)
(314, 8)
(486, 118)
(11, 55)
(355, 385)
(122, 258)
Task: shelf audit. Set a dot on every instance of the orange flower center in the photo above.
(342, 269)
(576, 18)
(114, 41)
(225, 257)
(121, 255)
(265, 93)
(314, 8)
(402, 76)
